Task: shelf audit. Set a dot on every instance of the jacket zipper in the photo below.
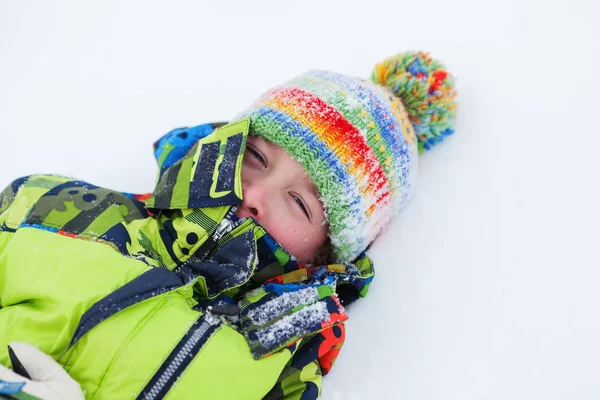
(180, 358)
(225, 226)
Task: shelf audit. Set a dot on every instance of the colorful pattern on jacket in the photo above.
(179, 243)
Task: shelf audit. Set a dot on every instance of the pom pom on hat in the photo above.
(427, 91)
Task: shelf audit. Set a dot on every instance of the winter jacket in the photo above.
(168, 295)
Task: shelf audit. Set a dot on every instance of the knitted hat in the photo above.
(359, 140)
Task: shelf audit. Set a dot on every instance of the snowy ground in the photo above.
(487, 284)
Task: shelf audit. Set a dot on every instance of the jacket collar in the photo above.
(209, 175)
(248, 257)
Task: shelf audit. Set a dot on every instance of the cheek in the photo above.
(302, 243)
(247, 170)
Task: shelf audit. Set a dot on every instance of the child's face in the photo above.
(282, 198)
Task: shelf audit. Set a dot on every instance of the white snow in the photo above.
(487, 282)
(281, 304)
(293, 324)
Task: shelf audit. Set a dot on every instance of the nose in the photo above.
(256, 199)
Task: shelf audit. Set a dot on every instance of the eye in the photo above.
(301, 204)
(256, 154)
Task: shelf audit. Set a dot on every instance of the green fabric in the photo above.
(45, 311)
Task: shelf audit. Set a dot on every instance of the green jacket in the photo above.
(168, 295)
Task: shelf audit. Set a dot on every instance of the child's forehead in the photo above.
(255, 138)
(271, 146)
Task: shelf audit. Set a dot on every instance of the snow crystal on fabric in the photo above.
(281, 304)
(293, 325)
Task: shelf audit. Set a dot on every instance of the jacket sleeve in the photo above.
(313, 358)
(314, 354)
(305, 319)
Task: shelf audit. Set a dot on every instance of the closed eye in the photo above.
(257, 154)
(301, 204)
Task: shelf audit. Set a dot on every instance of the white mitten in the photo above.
(37, 375)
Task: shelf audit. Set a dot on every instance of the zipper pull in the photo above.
(228, 310)
(224, 227)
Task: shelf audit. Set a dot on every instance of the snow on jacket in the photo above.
(168, 295)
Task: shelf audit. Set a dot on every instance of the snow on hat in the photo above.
(359, 140)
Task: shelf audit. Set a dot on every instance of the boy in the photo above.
(193, 292)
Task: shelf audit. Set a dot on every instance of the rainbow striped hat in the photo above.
(359, 140)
